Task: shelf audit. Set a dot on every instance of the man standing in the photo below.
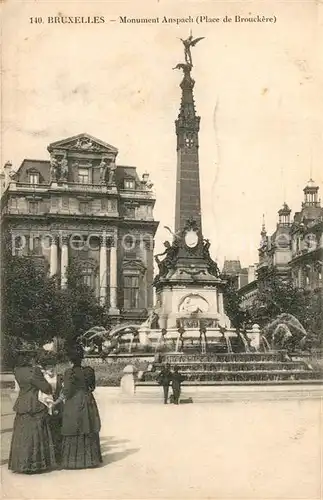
(164, 379)
(177, 379)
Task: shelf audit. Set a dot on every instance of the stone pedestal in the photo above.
(190, 302)
(144, 335)
(254, 336)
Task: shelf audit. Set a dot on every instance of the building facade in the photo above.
(81, 206)
(294, 251)
(307, 242)
(275, 250)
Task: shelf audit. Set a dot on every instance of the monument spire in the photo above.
(187, 260)
(188, 197)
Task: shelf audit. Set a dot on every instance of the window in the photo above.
(35, 246)
(14, 203)
(83, 174)
(65, 203)
(131, 292)
(318, 269)
(33, 207)
(84, 207)
(189, 141)
(77, 242)
(130, 247)
(129, 184)
(88, 276)
(34, 178)
(130, 212)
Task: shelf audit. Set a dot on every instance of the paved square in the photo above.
(238, 450)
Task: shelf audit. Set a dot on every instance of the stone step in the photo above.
(218, 394)
(241, 356)
(238, 367)
(246, 371)
(312, 380)
(235, 363)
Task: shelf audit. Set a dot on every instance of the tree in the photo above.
(29, 297)
(277, 296)
(35, 308)
(82, 307)
(232, 304)
(313, 321)
(30, 306)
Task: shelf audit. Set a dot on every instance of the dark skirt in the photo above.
(55, 424)
(81, 451)
(32, 447)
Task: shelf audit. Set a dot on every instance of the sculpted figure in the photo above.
(212, 266)
(169, 261)
(151, 321)
(112, 171)
(188, 43)
(55, 169)
(103, 169)
(64, 169)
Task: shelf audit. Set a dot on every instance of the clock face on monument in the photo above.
(191, 239)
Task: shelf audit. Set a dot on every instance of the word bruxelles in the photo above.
(198, 19)
(67, 20)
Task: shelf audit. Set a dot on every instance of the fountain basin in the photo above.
(257, 367)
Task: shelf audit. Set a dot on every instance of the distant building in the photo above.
(81, 205)
(243, 278)
(275, 251)
(307, 242)
(238, 275)
(295, 249)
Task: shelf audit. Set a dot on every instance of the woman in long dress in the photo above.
(32, 447)
(81, 421)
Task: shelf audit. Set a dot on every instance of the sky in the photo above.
(258, 92)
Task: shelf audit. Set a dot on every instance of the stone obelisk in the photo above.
(188, 198)
(188, 277)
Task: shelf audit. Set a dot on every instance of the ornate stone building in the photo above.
(307, 242)
(294, 251)
(81, 205)
(275, 250)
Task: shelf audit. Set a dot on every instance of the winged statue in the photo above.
(188, 43)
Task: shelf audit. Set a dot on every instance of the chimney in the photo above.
(7, 172)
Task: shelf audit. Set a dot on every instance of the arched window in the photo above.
(88, 276)
(35, 245)
(130, 243)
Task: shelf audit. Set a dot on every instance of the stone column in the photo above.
(53, 256)
(64, 261)
(220, 303)
(113, 279)
(144, 281)
(216, 301)
(103, 270)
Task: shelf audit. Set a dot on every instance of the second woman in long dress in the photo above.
(32, 448)
(81, 421)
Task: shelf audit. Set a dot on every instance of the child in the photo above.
(47, 399)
